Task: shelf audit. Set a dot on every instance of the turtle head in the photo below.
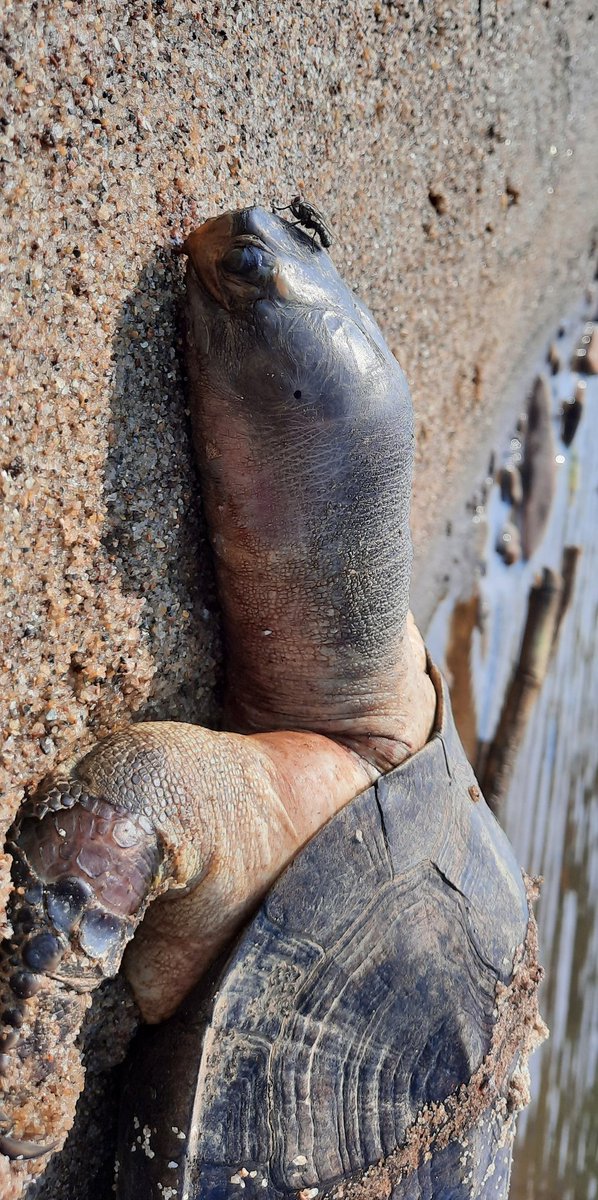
(303, 426)
(244, 257)
(272, 323)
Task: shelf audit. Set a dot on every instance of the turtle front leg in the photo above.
(86, 860)
(203, 820)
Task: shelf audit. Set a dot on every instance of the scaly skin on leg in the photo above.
(206, 821)
(304, 436)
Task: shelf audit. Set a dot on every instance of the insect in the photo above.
(309, 217)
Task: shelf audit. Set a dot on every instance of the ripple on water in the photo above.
(550, 806)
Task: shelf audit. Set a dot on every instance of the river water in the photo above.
(549, 805)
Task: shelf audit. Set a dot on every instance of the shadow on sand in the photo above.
(155, 533)
(156, 540)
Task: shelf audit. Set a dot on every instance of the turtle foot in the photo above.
(82, 873)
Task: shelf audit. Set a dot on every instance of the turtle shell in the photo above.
(361, 995)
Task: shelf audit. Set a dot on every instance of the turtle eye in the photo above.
(246, 261)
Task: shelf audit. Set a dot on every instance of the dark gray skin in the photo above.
(304, 433)
(307, 501)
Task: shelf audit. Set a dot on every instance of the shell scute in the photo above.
(277, 966)
(335, 876)
(241, 1108)
(463, 840)
(478, 1165)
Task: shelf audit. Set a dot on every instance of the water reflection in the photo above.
(550, 804)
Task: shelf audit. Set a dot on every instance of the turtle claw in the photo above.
(19, 1150)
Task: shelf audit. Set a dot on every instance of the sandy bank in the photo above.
(452, 147)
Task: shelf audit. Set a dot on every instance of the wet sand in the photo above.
(550, 807)
(551, 815)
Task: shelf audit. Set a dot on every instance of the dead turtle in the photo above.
(367, 1033)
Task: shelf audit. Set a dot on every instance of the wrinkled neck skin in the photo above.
(303, 429)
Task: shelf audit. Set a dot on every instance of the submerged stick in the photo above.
(544, 606)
